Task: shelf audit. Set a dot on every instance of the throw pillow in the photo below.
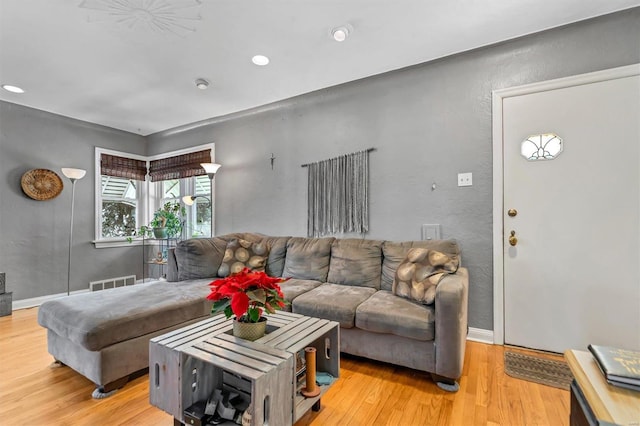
(420, 272)
(242, 254)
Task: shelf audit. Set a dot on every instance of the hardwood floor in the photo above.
(368, 392)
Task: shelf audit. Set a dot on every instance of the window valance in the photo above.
(180, 166)
(112, 165)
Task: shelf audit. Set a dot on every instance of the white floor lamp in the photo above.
(73, 175)
(211, 169)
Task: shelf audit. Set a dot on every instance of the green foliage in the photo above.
(118, 219)
(170, 216)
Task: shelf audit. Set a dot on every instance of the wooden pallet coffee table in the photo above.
(188, 364)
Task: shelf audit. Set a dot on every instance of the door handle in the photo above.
(512, 212)
(512, 239)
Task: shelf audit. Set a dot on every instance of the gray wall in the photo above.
(427, 123)
(35, 234)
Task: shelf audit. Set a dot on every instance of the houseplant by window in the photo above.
(247, 295)
(167, 222)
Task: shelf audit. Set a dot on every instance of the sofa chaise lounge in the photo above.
(105, 335)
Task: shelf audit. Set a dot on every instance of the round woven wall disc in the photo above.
(41, 184)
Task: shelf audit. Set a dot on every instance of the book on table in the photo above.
(621, 367)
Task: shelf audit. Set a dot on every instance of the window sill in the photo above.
(99, 244)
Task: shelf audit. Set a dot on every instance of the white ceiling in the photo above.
(100, 61)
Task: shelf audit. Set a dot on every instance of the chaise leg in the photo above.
(445, 383)
(57, 364)
(110, 388)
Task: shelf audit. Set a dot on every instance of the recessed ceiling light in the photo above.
(12, 89)
(202, 84)
(260, 60)
(340, 33)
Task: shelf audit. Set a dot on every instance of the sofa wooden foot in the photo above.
(445, 383)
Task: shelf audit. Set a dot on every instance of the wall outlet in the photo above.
(465, 179)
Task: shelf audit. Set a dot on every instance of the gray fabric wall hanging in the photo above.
(338, 195)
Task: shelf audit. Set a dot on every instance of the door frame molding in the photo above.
(498, 97)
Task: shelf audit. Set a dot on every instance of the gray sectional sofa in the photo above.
(105, 335)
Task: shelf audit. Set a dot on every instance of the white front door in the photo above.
(573, 276)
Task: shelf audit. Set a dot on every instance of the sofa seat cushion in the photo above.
(100, 319)
(334, 302)
(293, 287)
(385, 312)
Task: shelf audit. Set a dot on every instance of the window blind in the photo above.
(112, 165)
(179, 166)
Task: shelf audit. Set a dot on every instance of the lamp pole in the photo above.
(73, 175)
(211, 169)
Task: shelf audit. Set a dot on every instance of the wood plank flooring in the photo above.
(368, 392)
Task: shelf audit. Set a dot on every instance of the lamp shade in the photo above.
(73, 173)
(210, 168)
(188, 200)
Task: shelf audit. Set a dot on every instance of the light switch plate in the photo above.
(430, 232)
(465, 179)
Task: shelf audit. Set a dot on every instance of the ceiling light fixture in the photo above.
(340, 34)
(260, 60)
(202, 84)
(12, 89)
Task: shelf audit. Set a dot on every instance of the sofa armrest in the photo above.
(172, 265)
(452, 294)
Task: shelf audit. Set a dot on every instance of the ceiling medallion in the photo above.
(177, 17)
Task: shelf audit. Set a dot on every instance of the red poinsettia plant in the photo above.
(246, 295)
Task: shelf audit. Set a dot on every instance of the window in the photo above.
(119, 196)
(546, 146)
(119, 206)
(126, 197)
(200, 212)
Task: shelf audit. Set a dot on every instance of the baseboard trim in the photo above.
(37, 301)
(480, 335)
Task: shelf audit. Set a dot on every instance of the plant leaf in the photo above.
(254, 314)
(258, 295)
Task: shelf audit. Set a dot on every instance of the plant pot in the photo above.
(250, 330)
(160, 232)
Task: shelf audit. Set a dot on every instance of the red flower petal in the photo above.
(239, 304)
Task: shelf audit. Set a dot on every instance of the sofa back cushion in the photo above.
(395, 252)
(356, 262)
(199, 257)
(308, 258)
(277, 254)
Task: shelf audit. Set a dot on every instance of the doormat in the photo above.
(537, 369)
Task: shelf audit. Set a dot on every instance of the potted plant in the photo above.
(167, 220)
(166, 223)
(247, 295)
